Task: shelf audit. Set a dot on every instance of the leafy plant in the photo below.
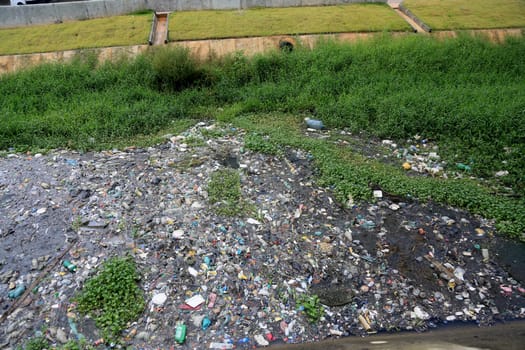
(311, 307)
(262, 144)
(113, 297)
(36, 343)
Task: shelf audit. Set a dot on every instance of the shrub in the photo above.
(175, 69)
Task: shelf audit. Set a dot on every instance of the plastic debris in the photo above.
(159, 299)
(180, 333)
(17, 292)
(69, 266)
(195, 301)
(314, 123)
(225, 346)
(206, 323)
(242, 281)
(463, 167)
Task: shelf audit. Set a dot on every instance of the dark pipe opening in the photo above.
(285, 46)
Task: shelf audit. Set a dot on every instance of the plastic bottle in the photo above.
(70, 266)
(464, 167)
(18, 291)
(180, 333)
(244, 340)
(314, 123)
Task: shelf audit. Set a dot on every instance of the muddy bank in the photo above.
(501, 336)
(390, 265)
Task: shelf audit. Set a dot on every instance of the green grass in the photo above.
(224, 192)
(187, 25)
(469, 14)
(101, 32)
(112, 297)
(466, 94)
(134, 29)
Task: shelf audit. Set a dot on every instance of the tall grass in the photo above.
(466, 94)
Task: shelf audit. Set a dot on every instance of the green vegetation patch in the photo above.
(113, 297)
(469, 14)
(100, 32)
(188, 25)
(224, 192)
(311, 307)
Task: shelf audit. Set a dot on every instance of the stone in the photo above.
(61, 336)
(142, 335)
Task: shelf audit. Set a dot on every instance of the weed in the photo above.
(77, 223)
(212, 133)
(224, 192)
(175, 69)
(188, 162)
(262, 144)
(311, 306)
(194, 141)
(36, 343)
(112, 297)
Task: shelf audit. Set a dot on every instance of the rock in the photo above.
(142, 335)
(333, 295)
(61, 336)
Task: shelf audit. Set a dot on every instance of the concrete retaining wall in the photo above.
(16, 16)
(218, 48)
(202, 49)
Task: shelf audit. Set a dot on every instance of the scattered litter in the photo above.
(291, 255)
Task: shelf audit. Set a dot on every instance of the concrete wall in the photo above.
(16, 16)
(202, 49)
(218, 48)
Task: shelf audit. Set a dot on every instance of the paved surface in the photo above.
(509, 336)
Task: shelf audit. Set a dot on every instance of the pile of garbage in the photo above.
(294, 267)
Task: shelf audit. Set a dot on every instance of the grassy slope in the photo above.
(134, 29)
(102, 32)
(469, 14)
(273, 21)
